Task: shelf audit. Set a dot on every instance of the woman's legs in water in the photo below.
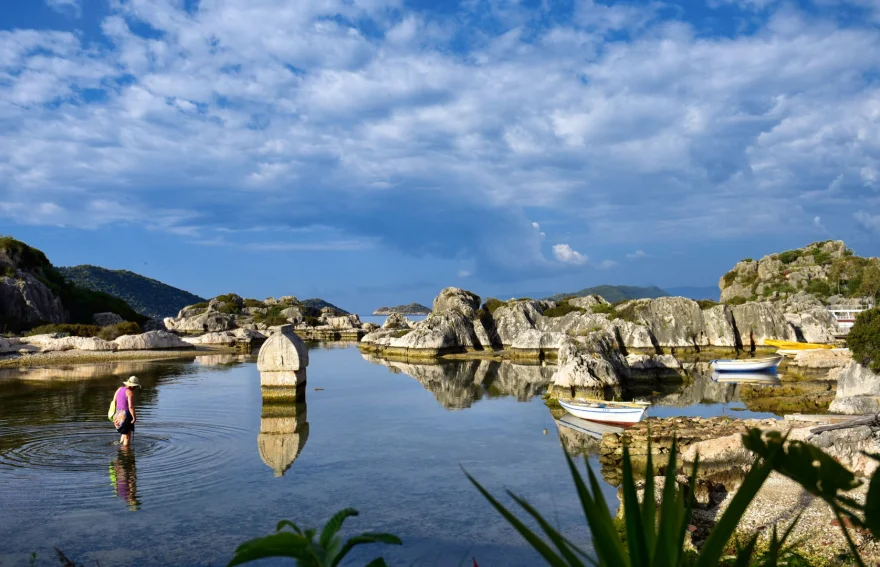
(126, 440)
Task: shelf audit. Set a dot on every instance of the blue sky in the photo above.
(375, 151)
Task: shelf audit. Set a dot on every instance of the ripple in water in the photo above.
(166, 460)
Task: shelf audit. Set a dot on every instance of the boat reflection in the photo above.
(580, 437)
(767, 378)
(591, 428)
(123, 477)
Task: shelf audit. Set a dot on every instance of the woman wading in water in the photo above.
(125, 416)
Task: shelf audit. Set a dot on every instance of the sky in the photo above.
(372, 152)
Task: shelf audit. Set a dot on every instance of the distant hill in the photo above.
(411, 309)
(614, 293)
(318, 303)
(695, 292)
(145, 295)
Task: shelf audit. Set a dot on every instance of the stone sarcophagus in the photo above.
(282, 364)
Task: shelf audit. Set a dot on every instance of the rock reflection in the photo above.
(284, 430)
(77, 371)
(221, 359)
(458, 384)
(123, 477)
(701, 390)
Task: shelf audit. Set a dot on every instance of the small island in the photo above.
(411, 309)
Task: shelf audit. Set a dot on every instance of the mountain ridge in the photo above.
(615, 293)
(147, 296)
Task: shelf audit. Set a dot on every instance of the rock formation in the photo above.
(858, 391)
(27, 301)
(230, 312)
(411, 309)
(396, 321)
(152, 340)
(827, 270)
(595, 364)
(759, 321)
(282, 364)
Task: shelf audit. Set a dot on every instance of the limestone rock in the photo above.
(587, 302)
(727, 451)
(78, 343)
(396, 321)
(106, 319)
(858, 391)
(293, 314)
(594, 365)
(454, 299)
(517, 317)
(674, 321)
(226, 338)
(27, 300)
(759, 321)
(576, 323)
(9, 345)
(849, 446)
(447, 331)
(536, 340)
(342, 322)
(152, 340)
(719, 328)
(55, 342)
(822, 359)
(633, 335)
(208, 322)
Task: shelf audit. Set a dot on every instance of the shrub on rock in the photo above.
(864, 339)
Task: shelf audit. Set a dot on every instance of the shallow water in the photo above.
(386, 438)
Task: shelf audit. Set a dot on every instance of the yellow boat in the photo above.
(794, 345)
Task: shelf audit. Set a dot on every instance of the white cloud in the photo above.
(285, 109)
(868, 221)
(565, 254)
(607, 264)
(637, 255)
(869, 176)
(464, 274)
(73, 7)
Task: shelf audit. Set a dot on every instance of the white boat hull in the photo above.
(747, 365)
(607, 414)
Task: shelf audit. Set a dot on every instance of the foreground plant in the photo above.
(327, 551)
(656, 537)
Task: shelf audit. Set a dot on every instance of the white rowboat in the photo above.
(606, 412)
(747, 364)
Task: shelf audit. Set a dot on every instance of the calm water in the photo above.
(389, 440)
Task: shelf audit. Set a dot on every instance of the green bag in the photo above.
(112, 411)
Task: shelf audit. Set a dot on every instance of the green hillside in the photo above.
(317, 303)
(147, 296)
(614, 293)
(79, 302)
